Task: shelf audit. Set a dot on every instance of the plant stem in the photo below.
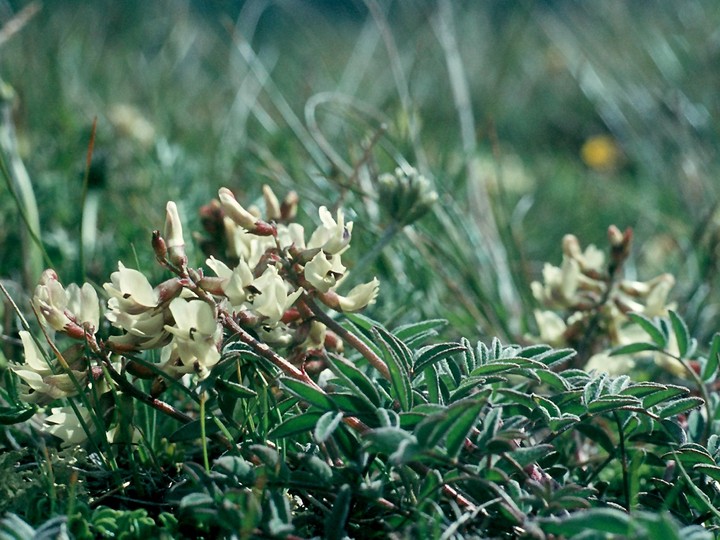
(703, 392)
(387, 236)
(203, 436)
(623, 454)
(356, 343)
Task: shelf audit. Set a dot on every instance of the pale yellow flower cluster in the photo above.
(580, 293)
(271, 265)
(276, 264)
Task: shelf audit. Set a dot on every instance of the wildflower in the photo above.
(407, 195)
(67, 310)
(41, 382)
(272, 204)
(322, 272)
(235, 211)
(333, 235)
(233, 281)
(65, 424)
(271, 298)
(359, 297)
(601, 153)
(130, 291)
(195, 334)
(552, 327)
(174, 235)
(142, 331)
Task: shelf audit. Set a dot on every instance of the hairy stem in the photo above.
(347, 336)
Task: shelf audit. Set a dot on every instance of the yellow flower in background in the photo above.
(601, 153)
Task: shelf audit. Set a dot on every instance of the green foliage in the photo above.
(493, 442)
(404, 428)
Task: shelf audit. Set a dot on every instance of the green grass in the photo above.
(492, 101)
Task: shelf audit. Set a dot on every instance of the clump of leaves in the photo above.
(464, 439)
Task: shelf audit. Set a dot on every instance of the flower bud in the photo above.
(174, 236)
(406, 195)
(272, 204)
(159, 247)
(288, 208)
(243, 217)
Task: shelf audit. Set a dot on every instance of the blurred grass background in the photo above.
(533, 119)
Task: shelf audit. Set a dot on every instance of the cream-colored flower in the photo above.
(235, 210)
(291, 234)
(272, 299)
(332, 236)
(244, 245)
(552, 328)
(174, 235)
(84, 304)
(234, 281)
(64, 424)
(612, 365)
(130, 291)
(51, 300)
(196, 333)
(360, 296)
(42, 383)
(272, 204)
(323, 272)
(656, 300)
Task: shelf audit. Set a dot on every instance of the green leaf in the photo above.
(594, 388)
(553, 380)
(711, 366)
(632, 348)
(11, 415)
(13, 526)
(516, 397)
(690, 457)
(193, 430)
(326, 425)
(336, 519)
(682, 334)
(398, 359)
(462, 417)
(301, 423)
(234, 389)
(402, 351)
(555, 357)
(713, 471)
(387, 440)
(410, 332)
(432, 354)
(651, 328)
(493, 367)
(671, 391)
(531, 454)
(533, 351)
(680, 406)
(354, 379)
(642, 389)
(598, 435)
(602, 520)
(549, 407)
(612, 403)
(309, 394)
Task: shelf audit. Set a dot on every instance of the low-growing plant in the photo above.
(255, 401)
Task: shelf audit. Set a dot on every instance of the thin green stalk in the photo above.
(703, 392)
(623, 458)
(374, 252)
(203, 437)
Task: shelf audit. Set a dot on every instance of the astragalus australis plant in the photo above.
(249, 399)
